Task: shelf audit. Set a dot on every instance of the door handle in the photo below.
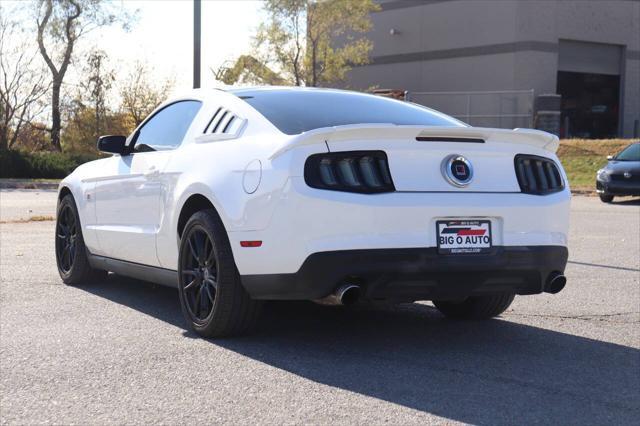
(151, 172)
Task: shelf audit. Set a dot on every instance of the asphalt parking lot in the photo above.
(118, 352)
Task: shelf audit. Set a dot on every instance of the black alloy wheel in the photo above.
(72, 257)
(199, 275)
(213, 301)
(66, 238)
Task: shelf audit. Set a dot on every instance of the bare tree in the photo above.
(99, 79)
(139, 96)
(22, 84)
(62, 23)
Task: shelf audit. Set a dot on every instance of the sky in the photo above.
(162, 36)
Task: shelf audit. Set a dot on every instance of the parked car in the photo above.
(621, 175)
(240, 196)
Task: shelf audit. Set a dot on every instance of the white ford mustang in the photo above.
(240, 196)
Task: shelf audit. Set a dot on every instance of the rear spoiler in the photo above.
(352, 132)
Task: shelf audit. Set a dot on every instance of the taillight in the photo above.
(354, 171)
(538, 175)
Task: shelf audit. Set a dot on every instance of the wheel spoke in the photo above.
(208, 252)
(213, 283)
(210, 259)
(68, 219)
(209, 294)
(196, 305)
(203, 303)
(199, 307)
(194, 254)
(190, 285)
(64, 257)
(63, 229)
(200, 243)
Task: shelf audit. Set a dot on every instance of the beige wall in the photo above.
(471, 45)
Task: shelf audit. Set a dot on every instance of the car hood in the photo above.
(623, 166)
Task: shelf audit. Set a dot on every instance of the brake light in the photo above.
(537, 175)
(353, 171)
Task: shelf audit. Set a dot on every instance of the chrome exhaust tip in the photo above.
(346, 294)
(555, 282)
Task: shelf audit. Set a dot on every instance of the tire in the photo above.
(212, 299)
(71, 253)
(606, 198)
(476, 307)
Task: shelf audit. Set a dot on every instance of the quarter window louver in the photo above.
(223, 125)
(213, 120)
(223, 121)
(538, 175)
(220, 120)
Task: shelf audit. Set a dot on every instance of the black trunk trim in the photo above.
(448, 139)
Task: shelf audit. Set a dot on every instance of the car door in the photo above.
(129, 198)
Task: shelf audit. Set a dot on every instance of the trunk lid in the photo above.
(418, 155)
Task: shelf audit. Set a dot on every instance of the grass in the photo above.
(581, 158)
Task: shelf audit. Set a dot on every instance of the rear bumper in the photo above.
(306, 221)
(414, 273)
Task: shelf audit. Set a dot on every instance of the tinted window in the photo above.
(630, 153)
(166, 129)
(297, 111)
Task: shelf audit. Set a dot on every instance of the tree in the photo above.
(22, 83)
(139, 96)
(79, 132)
(99, 79)
(62, 23)
(307, 42)
(327, 60)
(248, 69)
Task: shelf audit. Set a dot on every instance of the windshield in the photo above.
(300, 110)
(630, 153)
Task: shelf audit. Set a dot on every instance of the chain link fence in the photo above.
(502, 108)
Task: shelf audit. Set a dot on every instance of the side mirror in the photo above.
(112, 144)
(609, 157)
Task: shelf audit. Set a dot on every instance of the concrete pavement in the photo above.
(118, 352)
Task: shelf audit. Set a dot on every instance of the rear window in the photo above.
(297, 111)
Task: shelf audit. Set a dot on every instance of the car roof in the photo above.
(248, 91)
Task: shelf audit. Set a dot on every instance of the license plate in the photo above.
(463, 236)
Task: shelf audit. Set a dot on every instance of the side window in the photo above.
(166, 129)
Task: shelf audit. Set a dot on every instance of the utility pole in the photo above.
(196, 42)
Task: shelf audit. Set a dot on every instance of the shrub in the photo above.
(40, 165)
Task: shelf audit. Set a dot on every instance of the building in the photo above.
(512, 52)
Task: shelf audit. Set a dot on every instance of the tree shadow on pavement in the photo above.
(491, 372)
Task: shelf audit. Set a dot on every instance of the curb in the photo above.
(584, 192)
(27, 184)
